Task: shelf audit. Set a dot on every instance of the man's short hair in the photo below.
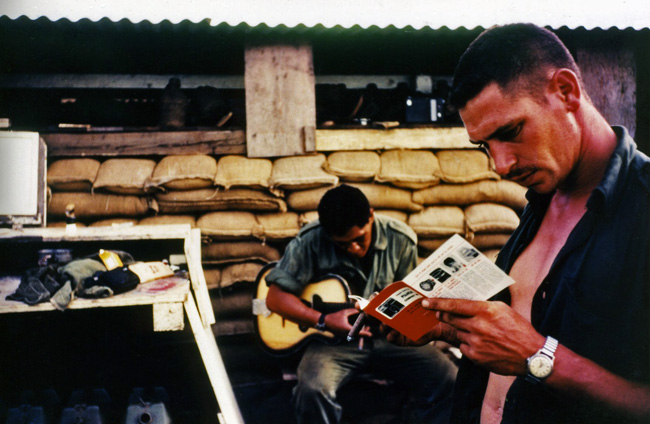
(342, 208)
(515, 53)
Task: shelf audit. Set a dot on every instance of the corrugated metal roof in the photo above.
(415, 14)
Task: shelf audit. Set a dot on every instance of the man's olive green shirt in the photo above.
(312, 255)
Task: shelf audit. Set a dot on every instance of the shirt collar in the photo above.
(379, 233)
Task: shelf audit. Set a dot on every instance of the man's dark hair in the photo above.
(342, 208)
(505, 54)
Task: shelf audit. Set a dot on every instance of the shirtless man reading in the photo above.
(569, 342)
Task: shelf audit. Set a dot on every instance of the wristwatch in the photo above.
(320, 325)
(540, 365)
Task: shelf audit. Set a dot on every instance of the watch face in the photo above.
(540, 366)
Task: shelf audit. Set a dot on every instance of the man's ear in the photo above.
(565, 83)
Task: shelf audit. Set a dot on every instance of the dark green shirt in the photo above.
(312, 255)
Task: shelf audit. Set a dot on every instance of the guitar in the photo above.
(280, 336)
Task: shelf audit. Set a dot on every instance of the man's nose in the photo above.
(504, 159)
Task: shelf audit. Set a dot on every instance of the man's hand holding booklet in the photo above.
(455, 270)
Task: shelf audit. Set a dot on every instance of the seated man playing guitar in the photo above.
(369, 252)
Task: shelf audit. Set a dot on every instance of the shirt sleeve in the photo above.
(295, 270)
(408, 260)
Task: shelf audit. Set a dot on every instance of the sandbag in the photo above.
(209, 199)
(387, 197)
(307, 217)
(238, 251)
(124, 176)
(414, 169)
(465, 166)
(395, 214)
(438, 221)
(301, 172)
(490, 218)
(72, 174)
(279, 226)
(92, 206)
(212, 277)
(503, 191)
(229, 225)
(306, 200)
(240, 171)
(488, 240)
(239, 272)
(184, 172)
(353, 166)
(168, 220)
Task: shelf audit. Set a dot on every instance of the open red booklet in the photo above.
(455, 270)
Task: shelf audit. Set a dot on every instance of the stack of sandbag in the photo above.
(231, 269)
(114, 189)
(248, 209)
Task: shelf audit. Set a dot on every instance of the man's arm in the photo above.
(292, 308)
(494, 336)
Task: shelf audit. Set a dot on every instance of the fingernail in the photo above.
(425, 303)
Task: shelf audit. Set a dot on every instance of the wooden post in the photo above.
(280, 101)
(609, 74)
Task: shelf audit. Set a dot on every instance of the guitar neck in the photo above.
(330, 307)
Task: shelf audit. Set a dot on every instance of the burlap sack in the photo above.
(426, 246)
(240, 171)
(92, 206)
(491, 254)
(465, 166)
(490, 218)
(301, 172)
(279, 226)
(307, 217)
(395, 214)
(387, 197)
(72, 174)
(502, 191)
(438, 221)
(124, 176)
(168, 220)
(184, 172)
(234, 301)
(212, 277)
(353, 166)
(228, 225)
(240, 272)
(413, 169)
(208, 199)
(488, 240)
(306, 200)
(238, 251)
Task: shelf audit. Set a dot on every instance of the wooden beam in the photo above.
(145, 143)
(280, 101)
(398, 138)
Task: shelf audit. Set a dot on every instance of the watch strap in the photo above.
(548, 350)
(320, 325)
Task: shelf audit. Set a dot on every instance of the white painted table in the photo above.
(170, 299)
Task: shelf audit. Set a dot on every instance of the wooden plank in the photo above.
(199, 285)
(142, 295)
(137, 232)
(280, 100)
(145, 143)
(398, 138)
(214, 365)
(168, 317)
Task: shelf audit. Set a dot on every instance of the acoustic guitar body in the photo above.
(278, 335)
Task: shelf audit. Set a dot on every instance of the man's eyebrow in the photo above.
(498, 133)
